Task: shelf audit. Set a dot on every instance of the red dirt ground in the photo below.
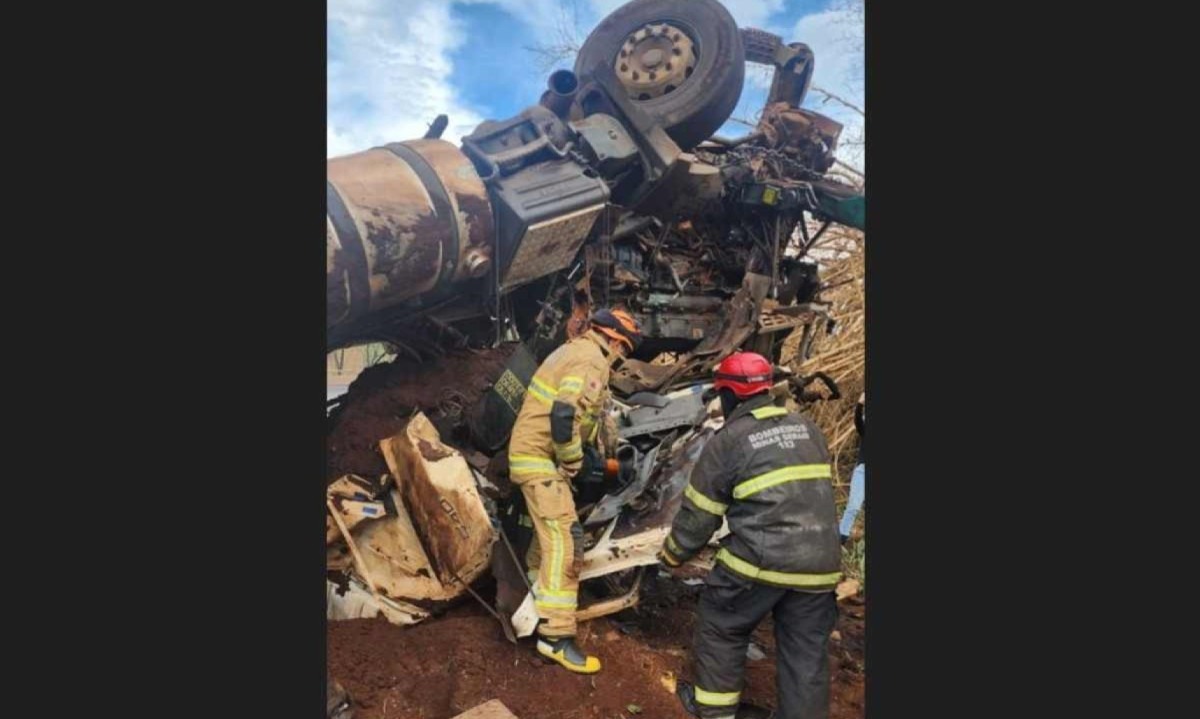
(383, 397)
(447, 665)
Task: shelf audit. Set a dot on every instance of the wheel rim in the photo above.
(655, 60)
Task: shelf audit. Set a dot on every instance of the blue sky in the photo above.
(394, 65)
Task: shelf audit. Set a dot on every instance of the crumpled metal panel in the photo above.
(686, 408)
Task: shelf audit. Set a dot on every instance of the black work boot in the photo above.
(687, 697)
(566, 652)
(749, 711)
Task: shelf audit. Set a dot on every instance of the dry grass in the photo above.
(842, 356)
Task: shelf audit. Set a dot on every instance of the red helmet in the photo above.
(746, 373)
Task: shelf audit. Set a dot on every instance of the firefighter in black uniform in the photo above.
(767, 471)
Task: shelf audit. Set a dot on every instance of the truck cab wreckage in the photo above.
(474, 262)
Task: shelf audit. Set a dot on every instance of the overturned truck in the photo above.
(474, 262)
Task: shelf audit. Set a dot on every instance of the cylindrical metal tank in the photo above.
(403, 220)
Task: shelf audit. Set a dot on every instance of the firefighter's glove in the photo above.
(667, 560)
(569, 470)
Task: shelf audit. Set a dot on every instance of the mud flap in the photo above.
(493, 420)
(687, 697)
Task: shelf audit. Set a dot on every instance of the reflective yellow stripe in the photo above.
(791, 579)
(572, 384)
(703, 502)
(570, 451)
(779, 476)
(671, 545)
(554, 599)
(556, 554)
(527, 458)
(540, 395)
(765, 412)
(542, 391)
(530, 465)
(560, 593)
(717, 699)
(533, 471)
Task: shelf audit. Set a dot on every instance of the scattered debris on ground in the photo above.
(494, 709)
(439, 669)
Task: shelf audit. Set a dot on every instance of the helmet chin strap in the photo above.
(729, 400)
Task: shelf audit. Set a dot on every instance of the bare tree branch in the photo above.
(829, 95)
(850, 167)
(567, 38)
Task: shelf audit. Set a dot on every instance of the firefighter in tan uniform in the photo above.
(563, 412)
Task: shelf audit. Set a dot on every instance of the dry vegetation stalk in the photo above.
(842, 356)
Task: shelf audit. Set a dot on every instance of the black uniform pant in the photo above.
(730, 609)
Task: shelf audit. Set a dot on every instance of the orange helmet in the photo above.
(619, 325)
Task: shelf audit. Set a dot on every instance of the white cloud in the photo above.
(544, 16)
(836, 39)
(389, 76)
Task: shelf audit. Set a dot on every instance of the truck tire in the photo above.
(693, 111)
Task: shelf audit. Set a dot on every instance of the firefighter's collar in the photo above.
(747, 406)
(609, 355)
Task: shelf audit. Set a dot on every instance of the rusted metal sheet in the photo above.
(688, 187)
(739, 322)
(439, 490)
(810, 136)
(469, 201)
(402, 220)
(337, 273)
(391, 549)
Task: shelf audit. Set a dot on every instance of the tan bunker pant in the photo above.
(561, 415)
(556, 555)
